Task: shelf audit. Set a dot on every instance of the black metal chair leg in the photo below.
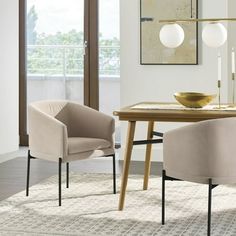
(114, 173)
(163, 197)
(59, 180)
(209, 208)
(28, 174)
(67, 174)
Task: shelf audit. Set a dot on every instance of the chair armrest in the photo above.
(87, 122)
(47, 135)
(202, 149)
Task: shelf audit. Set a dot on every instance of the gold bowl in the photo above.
(194, 100)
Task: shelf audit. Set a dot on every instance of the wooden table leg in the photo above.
(148, 156)
(127, 157)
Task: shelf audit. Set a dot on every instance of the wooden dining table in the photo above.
(152, 112)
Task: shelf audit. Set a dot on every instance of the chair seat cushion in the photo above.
(82, 144)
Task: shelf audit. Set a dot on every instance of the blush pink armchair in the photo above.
(64, 131)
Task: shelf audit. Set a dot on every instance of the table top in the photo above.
(173, 112)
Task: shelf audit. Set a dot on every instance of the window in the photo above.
(109, 59)
(63, 56)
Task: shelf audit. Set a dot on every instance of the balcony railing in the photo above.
(68, 60)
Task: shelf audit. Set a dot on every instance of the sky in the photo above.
(65, 15)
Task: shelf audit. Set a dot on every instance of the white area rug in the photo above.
(90, 208)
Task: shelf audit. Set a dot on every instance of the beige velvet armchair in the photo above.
(64, 131)
(203, 152)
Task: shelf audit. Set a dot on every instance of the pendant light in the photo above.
(214, 34)
(171, 35)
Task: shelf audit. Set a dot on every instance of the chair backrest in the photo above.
(201, 151)
(80, 120)
(58, 109)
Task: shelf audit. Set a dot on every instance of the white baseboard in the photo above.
(19, 153)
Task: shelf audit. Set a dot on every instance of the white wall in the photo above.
(8, 76)
(160, 82)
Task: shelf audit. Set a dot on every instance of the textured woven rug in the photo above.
(90, 208)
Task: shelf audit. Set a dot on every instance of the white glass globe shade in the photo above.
(214, 34)
(171, 35)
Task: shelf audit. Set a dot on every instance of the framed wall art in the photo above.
(152, 51)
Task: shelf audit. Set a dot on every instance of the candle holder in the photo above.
(219, 98)
(233, 88)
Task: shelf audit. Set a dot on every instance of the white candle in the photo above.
(233, 61)
(219, 67)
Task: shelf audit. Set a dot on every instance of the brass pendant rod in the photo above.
(197, 20)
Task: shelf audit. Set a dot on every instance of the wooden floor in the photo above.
(13, 172)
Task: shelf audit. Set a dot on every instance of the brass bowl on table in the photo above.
(194, 100)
